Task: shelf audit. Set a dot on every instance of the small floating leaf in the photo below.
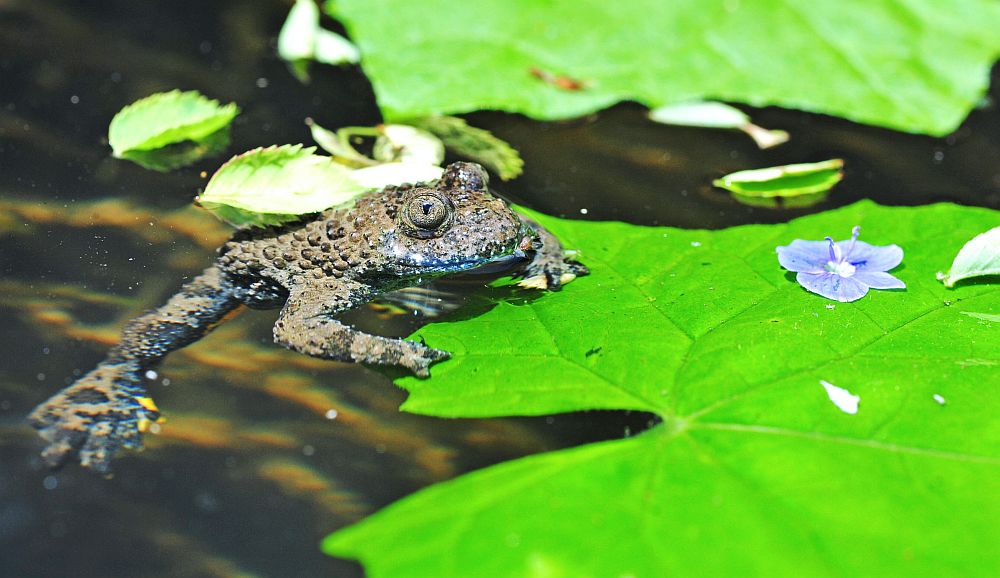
(785, 182)
(332, 48)
(474, 143)
(407, 144)
(717, 115)
(297, 38)
(980, 256)
(168, 118)
(268, 186)
(301, 39)
(703, 114)
(338, 144)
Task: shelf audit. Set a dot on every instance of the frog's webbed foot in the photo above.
(551, 267)
(91, 420)
(305, 325)
(418, 358)
(551, 272)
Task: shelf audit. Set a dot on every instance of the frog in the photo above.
(314, 268)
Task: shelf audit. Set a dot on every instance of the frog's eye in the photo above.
(427, 212)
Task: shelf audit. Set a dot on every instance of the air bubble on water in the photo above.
(331, 414)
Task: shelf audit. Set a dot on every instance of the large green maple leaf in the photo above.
(913, 65)
(753, 470)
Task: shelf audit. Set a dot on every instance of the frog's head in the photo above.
(454, 225)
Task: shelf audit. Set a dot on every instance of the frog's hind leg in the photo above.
(108, 409)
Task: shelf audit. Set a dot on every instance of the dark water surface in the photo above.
(249, 472)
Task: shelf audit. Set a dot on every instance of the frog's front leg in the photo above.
(306, 325)
(550, 268)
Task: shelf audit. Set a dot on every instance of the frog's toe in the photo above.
(420, 360)
(552, 276)
(91, 435)
(575, 269)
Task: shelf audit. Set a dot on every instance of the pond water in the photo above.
(267, 451)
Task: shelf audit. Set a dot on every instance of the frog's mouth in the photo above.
(499, 263)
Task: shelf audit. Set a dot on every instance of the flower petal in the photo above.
(833, 286)
(879, 280)
(872, 258)
(804, 256)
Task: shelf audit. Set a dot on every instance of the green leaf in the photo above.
(979, 257)
(913, 65)
(798, 185)
(474, 144)
(752, 470)
(168, 118)
(268, 186)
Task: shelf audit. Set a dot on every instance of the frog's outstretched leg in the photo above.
(108, 408)
(306, 325)
(550, 268)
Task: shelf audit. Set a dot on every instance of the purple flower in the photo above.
(844, 270)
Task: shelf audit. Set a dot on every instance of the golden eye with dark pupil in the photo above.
(426, 212)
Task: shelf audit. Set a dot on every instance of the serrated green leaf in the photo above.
(788, 181)
(979, 257)
(753, 471)
(268, 186)
(913, 65)
(167, 118)
(473, 143)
